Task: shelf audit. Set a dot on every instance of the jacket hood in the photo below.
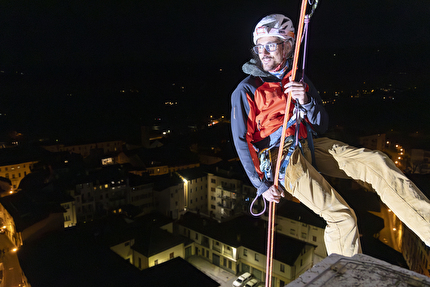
(251, 68)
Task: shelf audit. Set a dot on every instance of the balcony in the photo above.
(226, 205)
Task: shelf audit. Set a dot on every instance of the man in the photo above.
(258, 107)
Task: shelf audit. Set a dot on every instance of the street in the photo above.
(223, 277)
(12, 269)
(391, 234)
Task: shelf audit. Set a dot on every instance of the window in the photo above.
(282, 268)
(213, 180)
(314, 238)
(304, 235)
(245, 252)
(172, 255)
(213, 206)
(256, 257)
(292, 231)
(197, 236)
(156, 262)
(213, 189)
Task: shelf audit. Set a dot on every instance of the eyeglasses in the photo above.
(270, 47)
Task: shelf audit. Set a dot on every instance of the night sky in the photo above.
(63, 60)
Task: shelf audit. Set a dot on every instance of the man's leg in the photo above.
(308, 186)
(394, 188)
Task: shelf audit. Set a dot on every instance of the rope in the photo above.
(271, 222)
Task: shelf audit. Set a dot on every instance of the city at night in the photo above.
(134, 143)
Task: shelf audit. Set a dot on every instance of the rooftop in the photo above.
(359, 270)
(250, 232)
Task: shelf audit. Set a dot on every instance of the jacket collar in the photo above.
(251, 68)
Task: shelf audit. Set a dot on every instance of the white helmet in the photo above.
(274, 25)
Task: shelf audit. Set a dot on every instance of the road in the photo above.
(9, 258)
(223, 277)
(392, 232)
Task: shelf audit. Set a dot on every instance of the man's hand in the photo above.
(298, 92)
(273, 194)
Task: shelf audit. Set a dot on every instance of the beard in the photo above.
(270, 64)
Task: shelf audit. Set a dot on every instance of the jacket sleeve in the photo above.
(315, 111)
(242, 125)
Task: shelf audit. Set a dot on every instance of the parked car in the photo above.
(252, 283)
(242, 279)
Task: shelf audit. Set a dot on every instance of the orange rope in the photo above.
(272, 205)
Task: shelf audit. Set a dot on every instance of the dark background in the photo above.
(64, 63)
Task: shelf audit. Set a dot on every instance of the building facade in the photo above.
(16, 172)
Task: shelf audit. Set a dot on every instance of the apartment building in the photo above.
(141, 193)
(374, 142)
(149, 241)
(420, 161)
(239, 246)
(15, 171)
(196, 189)
(104, 190)
(170, 195)
(415, 252)
(295, 220)
(86, 148)
(228, 191)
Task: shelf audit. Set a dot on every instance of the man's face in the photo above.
(270, 60)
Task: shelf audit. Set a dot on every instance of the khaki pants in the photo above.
(338, 159)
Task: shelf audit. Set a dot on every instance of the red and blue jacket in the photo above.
(257, 114)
